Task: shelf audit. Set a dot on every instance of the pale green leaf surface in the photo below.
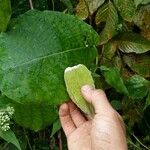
(76, 77)
(107, 13)
(137, 87)
(31, 54)
(126, 8)
(113, 77)
(131, 42)
(10, 137)
(5, 14)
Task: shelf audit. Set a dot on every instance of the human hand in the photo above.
(104, 132)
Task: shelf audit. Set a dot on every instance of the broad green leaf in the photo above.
(138, 2)
(141, 19)
(56, 127)
(137, 87)
(82, 11)
(32, 115)
(139, 64)
(36, 50)
(5, 13)
(112, 77)
(131, 42)
(76, 77)
(108, 14)
(10, 137)
(35, 115)
(126, 8)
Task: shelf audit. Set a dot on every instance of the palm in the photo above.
(80, 137)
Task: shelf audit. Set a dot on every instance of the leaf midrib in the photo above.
(44, 57)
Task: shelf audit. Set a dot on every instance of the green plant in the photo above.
(36, 47)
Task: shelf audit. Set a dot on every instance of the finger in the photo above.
(122, 123)
(98, 98)
(76, 115)
(65, 119)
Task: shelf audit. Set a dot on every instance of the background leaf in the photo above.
(5, 13)
(10, 137)
(139, 64)
(137, 87)
(108, 14)
(112, 77)
(130, 42)
(126, 8)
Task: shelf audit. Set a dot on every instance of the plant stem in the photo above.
(60, 140)
(27, 139)
(140, 142)
(31, 4)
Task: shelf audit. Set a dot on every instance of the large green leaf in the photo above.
(137, 87)
(5, 13)
(108, 14)
(139, 64)
(126, 8)
(131, 42)
(10, 137)
(112, 77)
(35, 52)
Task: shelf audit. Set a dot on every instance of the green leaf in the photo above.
(82, 11)
(112, 77)
(141, 19)
(34, 115)
(138, 2)
(131, 42)
(107, 13)
(139, 64)
(68, 4)
(10, 137)
(87, 7)
(76, 77)
(5, 14)
(94, 5)
(56, 127)
(109, 49)
(31, 54)
(126, 8)
(137, 87)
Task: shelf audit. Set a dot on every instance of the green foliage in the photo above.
(5, 14)
(37, 46)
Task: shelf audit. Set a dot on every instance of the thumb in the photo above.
(98, 99)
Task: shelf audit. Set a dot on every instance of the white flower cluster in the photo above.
(5, 116)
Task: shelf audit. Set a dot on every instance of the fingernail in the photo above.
(86, 88)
